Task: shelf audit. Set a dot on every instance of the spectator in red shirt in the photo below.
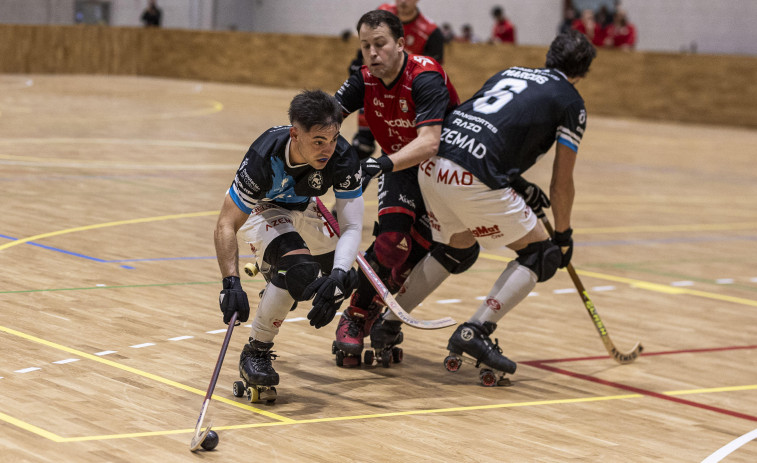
(503, 31)
(621, 33)
(588, 26)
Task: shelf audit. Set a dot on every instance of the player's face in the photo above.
(314, 147)
(381, 53)
(406, 8)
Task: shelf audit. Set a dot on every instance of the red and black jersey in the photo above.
(422, 35)
(421, 95)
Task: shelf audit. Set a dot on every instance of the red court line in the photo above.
(645, 354)
(641, 391)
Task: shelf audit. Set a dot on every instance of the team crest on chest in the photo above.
(315, 180)
(403, 105)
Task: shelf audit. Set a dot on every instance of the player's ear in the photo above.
(401, 43)
(293, 133)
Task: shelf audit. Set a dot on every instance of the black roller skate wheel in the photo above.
(270, 399)
(397, 354)
(238, 389)
(333, 348)
(368, 357)
(339, 358)
(386, 358)
(452, 363)
(488, 378)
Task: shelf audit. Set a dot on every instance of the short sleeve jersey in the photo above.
(421, 95)
(511, 122)
(266, 174)
(422, 35)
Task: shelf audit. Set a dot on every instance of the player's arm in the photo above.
(435, 45)
(230, 220)
(349, 212)
(350, 94)
(561, 188)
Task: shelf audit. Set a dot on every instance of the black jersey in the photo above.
(266, 174)
(511, 122)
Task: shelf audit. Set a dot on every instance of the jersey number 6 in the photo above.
(499, 95)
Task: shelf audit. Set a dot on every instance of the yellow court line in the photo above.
(107, 224)
(31, 428)
(655, 287)
(138, 372)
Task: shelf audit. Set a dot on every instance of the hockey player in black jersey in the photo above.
(271, 202)
(475, 194)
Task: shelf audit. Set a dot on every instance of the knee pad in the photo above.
(294, 273)
(392, 248)
(281, 245)
(543, 258)
(456, 260)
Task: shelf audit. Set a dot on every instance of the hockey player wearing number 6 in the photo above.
(271, 202)
(474, 192)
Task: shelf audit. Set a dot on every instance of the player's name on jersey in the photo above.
(528, 74)
(475, 119)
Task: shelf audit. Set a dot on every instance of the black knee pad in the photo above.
(456, 260)
(295, 272)
(281, 245)
(542, 257)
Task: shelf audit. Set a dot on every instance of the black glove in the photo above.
(373, 167)
(534, 196)
(233, 299)
(330, 291)
(565, 241)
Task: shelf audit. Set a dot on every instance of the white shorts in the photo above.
(268, 221)
(458, 201)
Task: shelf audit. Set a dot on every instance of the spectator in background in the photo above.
(587, 25)
(503, 30)
(152, 15)
(467, 35)
(569, 15)
(621, 33)
(448, 33)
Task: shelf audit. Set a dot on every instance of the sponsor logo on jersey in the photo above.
(422, 60)
(403, 105)
(248, 182)
(481, 231)
(315, 180)
(377, 102)
(407, 201)
(582, 116)
(464, 142)
(400, 123)
(454, 177)
(276, 222)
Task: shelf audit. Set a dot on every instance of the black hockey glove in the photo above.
(534, 196)
(565, 241)
(233, 299)
(373, 167)
(330, 291)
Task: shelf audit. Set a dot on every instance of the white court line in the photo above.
(724, 281)
(726, 450)
(105, 352)
(448, 301)
(217, 331)
(27, 370)
(298, 319)
(181, 338)
(603, 288)
(147, 344)
(61, 362)
(532, 294)
(564, 291)
(753, 280)
(682, 283)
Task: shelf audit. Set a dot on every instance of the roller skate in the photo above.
(353, 327)
(470, 343)
(385, 335)
(257, 373)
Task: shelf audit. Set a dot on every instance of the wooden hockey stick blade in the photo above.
(381, 288)
(199, 437)
(620, 357)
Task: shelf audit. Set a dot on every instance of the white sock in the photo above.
(272, 310)
(425, 277)
(512, 286)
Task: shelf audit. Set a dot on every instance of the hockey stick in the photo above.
(381, 288)
(620, 357)
(200, 435)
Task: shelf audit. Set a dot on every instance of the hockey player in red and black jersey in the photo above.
(422, 37)
(474, 191)
(271, 202)
(406, 98)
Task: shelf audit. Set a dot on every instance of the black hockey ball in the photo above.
(211, 440)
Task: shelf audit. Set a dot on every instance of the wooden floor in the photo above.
(110, 327)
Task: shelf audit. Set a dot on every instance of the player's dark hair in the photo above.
(572, 53)
(375, 18)
(311, 108)
(497, 11)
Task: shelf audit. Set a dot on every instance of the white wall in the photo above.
(714, 26)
